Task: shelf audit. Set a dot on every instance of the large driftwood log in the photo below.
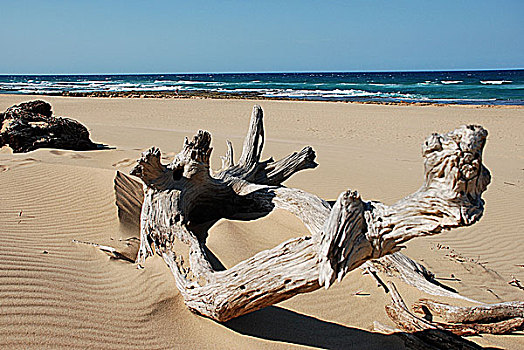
(31, 125)
(183, 199)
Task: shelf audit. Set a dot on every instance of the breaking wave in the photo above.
(473, 87)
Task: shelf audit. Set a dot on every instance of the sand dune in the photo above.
(58, 294)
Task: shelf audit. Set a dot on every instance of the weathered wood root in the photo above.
(129, 198)
(31, 125)
(130, 195)
(182, 200)
(501, 318)
(428, 332)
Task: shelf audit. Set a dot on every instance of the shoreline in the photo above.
(214, 95)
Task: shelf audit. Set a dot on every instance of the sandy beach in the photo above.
(58, 294)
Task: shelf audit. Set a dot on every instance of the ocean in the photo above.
(494, 87)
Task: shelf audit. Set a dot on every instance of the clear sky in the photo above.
(111, 36)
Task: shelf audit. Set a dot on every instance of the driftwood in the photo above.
(183, 199)
(411, 272)
(130, 195)
(111, 251)
(31, 125)
(501, 327)
(423, 333)
(481, 313)
(500, 318)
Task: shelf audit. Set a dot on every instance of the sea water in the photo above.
(496, 87)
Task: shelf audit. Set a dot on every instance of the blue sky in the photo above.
(109, 36)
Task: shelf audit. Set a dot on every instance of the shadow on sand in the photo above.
(279, 324)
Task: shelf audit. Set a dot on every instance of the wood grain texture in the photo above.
(480, 313)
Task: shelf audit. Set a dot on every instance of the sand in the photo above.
(58, 294)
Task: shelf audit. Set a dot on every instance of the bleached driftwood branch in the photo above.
(411, 272)
(423, 333)
(501, 318)
(481, 313)
(183, 199)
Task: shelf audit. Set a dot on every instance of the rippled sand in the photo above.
(58, 294)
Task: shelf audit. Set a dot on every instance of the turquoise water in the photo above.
(502, 87)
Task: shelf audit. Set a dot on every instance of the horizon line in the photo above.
(274, 72)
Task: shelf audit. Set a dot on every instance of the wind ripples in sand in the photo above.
(58, 294)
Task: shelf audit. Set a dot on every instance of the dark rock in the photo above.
(31, 125)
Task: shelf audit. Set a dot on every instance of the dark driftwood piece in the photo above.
(31, 125)
(183, 199)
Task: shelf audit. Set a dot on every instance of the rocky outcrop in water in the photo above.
(31, 125)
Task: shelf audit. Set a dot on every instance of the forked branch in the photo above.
(183, 199)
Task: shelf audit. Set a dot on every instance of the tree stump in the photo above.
(183, 199)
